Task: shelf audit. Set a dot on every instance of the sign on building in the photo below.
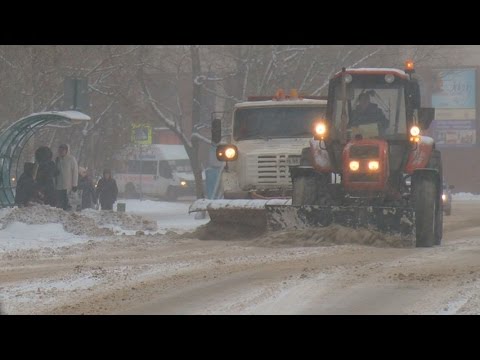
(141, 134)
(455, 103)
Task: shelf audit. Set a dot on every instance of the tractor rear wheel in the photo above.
(426, 206)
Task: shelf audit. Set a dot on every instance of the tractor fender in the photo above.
(320, 158)
(420, 155)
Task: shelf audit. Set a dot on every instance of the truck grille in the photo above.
(269, 170)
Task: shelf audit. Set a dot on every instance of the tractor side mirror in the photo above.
(425, 117)
(451, 187)
(216, 130)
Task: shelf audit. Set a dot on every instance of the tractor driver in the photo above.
(366, 113)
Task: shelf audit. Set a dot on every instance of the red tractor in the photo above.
(369, 164)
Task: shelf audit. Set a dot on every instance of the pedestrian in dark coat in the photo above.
(26, 187)
(107, 190)
(45, 175)
(85, 185)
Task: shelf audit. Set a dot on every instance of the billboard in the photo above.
(141, 134)
(454, 100)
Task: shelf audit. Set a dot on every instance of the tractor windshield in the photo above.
(370, 109)
(276, 122)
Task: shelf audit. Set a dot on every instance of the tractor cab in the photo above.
(377, 107)
(370, 105)
(374, 104)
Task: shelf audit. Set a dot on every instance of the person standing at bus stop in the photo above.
(85, 185)
(67, 176)
(107, 190)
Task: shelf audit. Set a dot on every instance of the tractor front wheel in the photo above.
(426, 205)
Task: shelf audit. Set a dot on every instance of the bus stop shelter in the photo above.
(13, 139)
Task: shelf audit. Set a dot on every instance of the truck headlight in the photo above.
(183, 183)
(227, 152)
(230, 153)
(444, 197)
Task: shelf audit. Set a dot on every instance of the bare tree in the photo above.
(179, 62)
(31, 80)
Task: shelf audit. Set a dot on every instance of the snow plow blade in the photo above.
(387, 220)
(237, 212)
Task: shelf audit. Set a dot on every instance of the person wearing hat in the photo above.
(67, 176)
(85, 184)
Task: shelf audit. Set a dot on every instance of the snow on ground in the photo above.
(20, 236)
(170, 216)
(466, 196)
(158, 207)
(4, 212)
(42, 226)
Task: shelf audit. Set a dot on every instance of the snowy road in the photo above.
(170, 273)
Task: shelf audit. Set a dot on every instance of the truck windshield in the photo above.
(372, 110)
(277, 122)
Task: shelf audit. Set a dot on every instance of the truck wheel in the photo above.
(304, 190)
(171, 194)
(425, 205)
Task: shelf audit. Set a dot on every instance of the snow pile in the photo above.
(89, 222)
(20, 236)
(154, 207)
(5, 211)
(120, 220)
(169, 216)
(73, 223)
(332, 235)
(310, 237)
(466, 196)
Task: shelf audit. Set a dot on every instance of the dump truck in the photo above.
(369, 164)
(263, 137)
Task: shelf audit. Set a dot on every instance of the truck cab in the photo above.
(267, 135)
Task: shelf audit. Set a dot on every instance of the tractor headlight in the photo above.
(354, 165)
(414, 130)
(320, 129)
(373, 165)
